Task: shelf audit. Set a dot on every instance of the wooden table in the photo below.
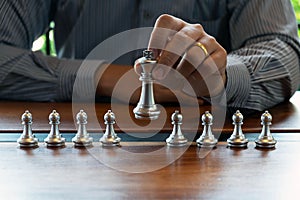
(224, 173)
(148, 169)
(285, 118)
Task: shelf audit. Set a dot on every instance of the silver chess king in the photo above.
(146, 107)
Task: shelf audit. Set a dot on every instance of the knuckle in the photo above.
(163, 19)
(198, 27)
(211, 39)
(222, 52)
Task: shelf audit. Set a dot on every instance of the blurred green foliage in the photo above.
(52, 44)
(296, 4)
(51, 38)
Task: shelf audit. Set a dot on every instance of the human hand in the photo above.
(186, 49)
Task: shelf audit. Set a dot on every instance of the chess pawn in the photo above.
(146, 107)
(82, 137)
(110, 138)
(176, 138)
(27, 138)
(207, 139)
(237, 139)
(265, 139)
(54, 138)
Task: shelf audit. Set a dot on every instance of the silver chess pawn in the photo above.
(207, 139)
(265, 139)
(146, 107)
(110, 138)
(237, 139)
(176, 138)
(54, 138)
(27, 138)
(82, 137)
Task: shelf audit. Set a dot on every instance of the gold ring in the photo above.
(199, 44)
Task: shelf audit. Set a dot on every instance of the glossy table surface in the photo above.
(286, 118)
(99, 173)
(148, 169)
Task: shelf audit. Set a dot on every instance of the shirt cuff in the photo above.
(238, 82)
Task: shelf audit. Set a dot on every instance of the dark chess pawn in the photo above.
(207, 139)
(82, 137)
(176, 138)
(27, 138)
(265, 139)
(237, 139)
(110, 138)
(54, 138)
(146, 107)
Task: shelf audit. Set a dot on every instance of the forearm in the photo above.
(32, 76)
(261, 75)
(119, 82)
(110, 75)
(263, 67)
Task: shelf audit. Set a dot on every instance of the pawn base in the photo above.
(234, 145)
(265, 142)
(151, 112)
(61, 144)
(82, 142)
(177, 143)
(110, 141)
(269, 145)
(206, 145)
(28, 143)
(110, 144)
(55, 142)
(237, 143)
(207, 142)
